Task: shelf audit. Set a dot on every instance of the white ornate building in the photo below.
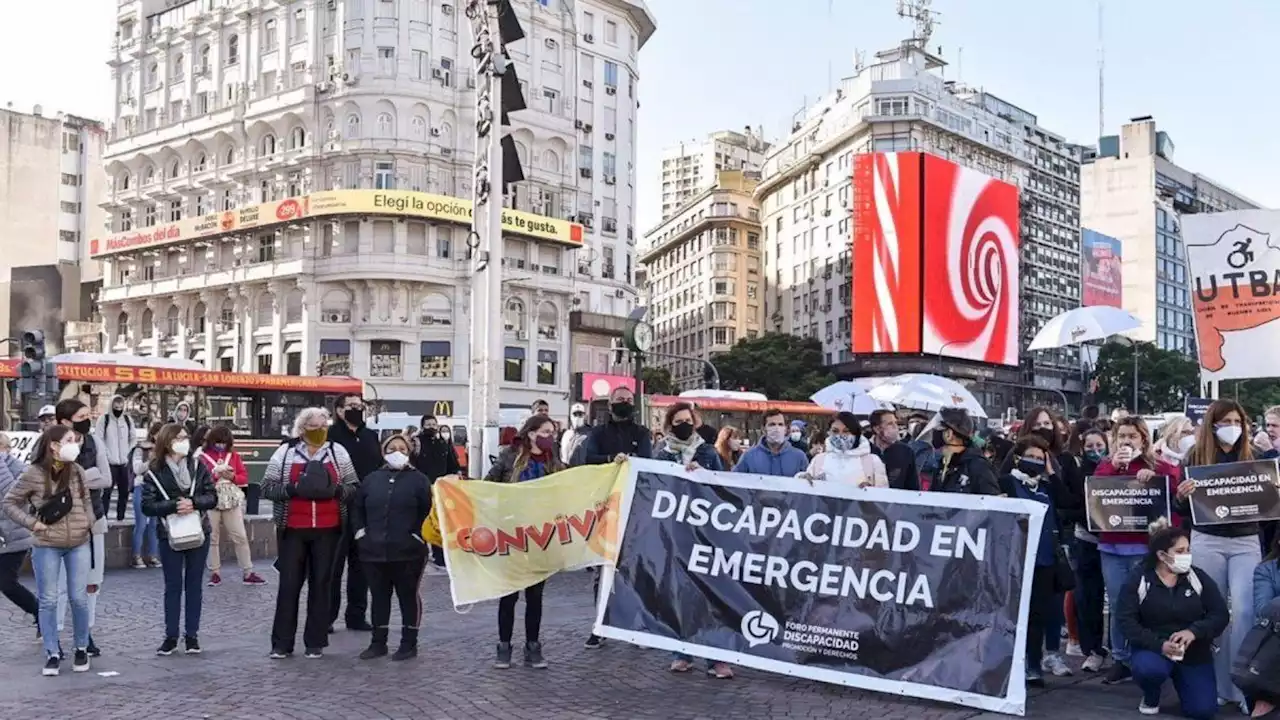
(291, 185)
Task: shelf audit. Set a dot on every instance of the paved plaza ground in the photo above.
(452, 680)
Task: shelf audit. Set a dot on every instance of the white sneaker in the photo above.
(1073, 650)
(1053, 663)
(1093, 663)
(1147, 709)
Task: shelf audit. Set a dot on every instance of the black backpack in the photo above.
(314, 482)
(1256, 667)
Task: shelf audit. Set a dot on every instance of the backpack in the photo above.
(1193, 578)
(1256, 666)
(314, 482)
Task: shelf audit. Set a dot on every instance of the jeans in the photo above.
(48, 563)
(532, 614)
(144, 529)
(689, 658)
(402, 578)
(348, 557)
(1089, 594)
(95, 577)
(120, 481)
(252, 494)
(1040, 617)
(1116, 570)
(233, 522)
(12, 588)
(305, 557)
(1229, 562)
(183, 579)
(1194, 683)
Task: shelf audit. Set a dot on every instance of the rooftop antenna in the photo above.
(923, 17)
(1102, 65)
(859, 59)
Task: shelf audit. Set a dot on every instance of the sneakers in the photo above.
(278, 654)
(375, 650)
(1035, 677)
(720, 671)
(1053, 663)
(51, 666)
(1146, 709)
(1093, 663)
(93, 649)
(593, 642)
(253, 578)
(1073, 650)
(167, 647)
(313, 653)
(405, 652)
(139, 563)
(191, 645)
(153, 562)
(1119, 673)
(215, 579)
(680, 665)
(503, 659)
(80, 661)
(533, 656)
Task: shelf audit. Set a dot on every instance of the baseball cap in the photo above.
(47, 410)
(578, 409)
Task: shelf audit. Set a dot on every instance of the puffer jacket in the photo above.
(17, 538)
(161, 505)
(705, 455)
(33, 490)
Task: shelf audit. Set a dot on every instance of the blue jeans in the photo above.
(183, 577)
(144, 529)
(1116, 570)
(1229, 562)
(1196, 684)
(47, 563)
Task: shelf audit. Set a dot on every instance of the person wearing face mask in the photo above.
(886, 443)
(1029, 479)
(1132, 455)
(621, 437)
(116, 432)
(963, 469)
(531, 457)
(577, 433)
(46, 416)
(145, 539)
(362, 446)
(433, 456)
(1086, 604)
(52, 501)
(230, 479)
(178, 484)
(15, 541)
(728, 446)
(97, 473)
(1177, 437)
(1171, 612)
(1267, 443)
(681, 442)
(796, 436)
(1226, 553)
(847, 457)
(774, 454)
(387, 514)
(183, 416)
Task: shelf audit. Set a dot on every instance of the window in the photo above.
(386, 125)
(437, 360)
(611, 32)
(384, 359)
(513, 364)
(386, 59)
(233, 49)
(611, 74)
(149, 216)
(335, 357)
(609, 164)
(70, 207)
(753, 241)
(607, 271)
(203, 66)
(153, 76)
(383, 175)
(298, 138)
(269, 36)
(547, 361)
(444, 243)
(175, 210)
(266, 247)
(74, 180)
(172, 321)
(126, 220)
(418, 127)
(421, 65)
(299, 25)
(68, 236)
(386, 9)
(353, 127)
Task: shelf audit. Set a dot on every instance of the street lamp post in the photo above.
(1133, 345)
(943, 349)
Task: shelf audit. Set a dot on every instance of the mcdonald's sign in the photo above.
(442, 408)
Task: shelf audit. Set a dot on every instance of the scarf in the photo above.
(1032, 483)
(181, 474)
(683, 449)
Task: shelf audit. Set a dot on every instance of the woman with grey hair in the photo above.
(309, 480)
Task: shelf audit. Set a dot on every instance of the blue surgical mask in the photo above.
(1095, 455)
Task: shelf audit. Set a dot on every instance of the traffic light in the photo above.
(31, 374)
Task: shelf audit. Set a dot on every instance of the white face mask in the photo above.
(68, 452)
(182, 447)
(577, 420)
(1186, 443)
(775, 435)
(397, 460)
(1228, 434)
(1180, 563)
(795, 435)
(735, 444)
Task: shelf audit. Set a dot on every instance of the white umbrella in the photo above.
(1083, 324)
(847, 396)
(927, 392)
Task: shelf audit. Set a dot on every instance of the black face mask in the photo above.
(938, 439)
(622, 410)
(1046, 434)
(117, 411)
(354, 416)
(682, 431)
(81, 427)
(1031, 467)
(430, 433)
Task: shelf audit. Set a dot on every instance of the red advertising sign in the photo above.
(1102, 283)
(194, 378)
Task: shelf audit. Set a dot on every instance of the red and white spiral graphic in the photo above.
(971, 264)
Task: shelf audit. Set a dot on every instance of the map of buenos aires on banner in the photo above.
(500, 538)
(1233, 269)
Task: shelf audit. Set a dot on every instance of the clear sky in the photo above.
(1201, 67)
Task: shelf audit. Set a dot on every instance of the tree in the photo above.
(657, 381)
(1165, 378)
(1255, 395)
(783, 367)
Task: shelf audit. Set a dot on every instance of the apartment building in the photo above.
(691, 167)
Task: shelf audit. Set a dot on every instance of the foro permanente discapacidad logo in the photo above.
(759, 628)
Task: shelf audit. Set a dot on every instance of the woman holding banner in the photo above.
(1085, 602)
(1227, 552)
(530, 456)
(1121, 553)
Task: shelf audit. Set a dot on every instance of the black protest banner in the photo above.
(1236, 492)
(1125, 504)
(895, 591)
(1195, 408)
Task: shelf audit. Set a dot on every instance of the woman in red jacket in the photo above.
(1132, 454)
(230, 478)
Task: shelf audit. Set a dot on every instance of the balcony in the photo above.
(597, 323)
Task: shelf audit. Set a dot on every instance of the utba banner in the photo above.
(894, 591)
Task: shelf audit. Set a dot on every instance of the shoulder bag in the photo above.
(186, 532)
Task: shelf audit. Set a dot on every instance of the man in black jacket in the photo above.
(361, 443)
(964, 468)
(899, 461)
(434, 457)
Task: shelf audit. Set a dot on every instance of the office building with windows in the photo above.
(290, 188)
(691, 167)
(702, 276)
(1133, 190)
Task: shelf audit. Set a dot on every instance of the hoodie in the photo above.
(116, 434)
(190, 422)
(786, 461)
(17, 538)
(858, 466)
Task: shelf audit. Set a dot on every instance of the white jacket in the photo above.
(115, 436)
(859, 467)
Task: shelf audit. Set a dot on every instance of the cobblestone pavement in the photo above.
(452, 679)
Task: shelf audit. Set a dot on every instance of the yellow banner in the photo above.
(500, 538)
(396, 203)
